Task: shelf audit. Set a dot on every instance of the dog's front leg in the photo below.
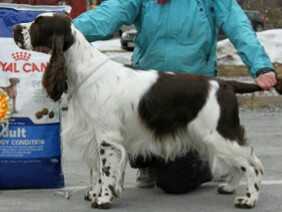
(112, 164)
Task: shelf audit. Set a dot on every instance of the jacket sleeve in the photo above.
(236, 25)
(105, 19)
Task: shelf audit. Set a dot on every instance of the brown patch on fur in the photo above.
(229, 122)
(172, 102)
(54, 78)
(53, 32)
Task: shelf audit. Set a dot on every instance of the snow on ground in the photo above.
(270, 39)
(226, 54)
(108, 45)
(113, 49)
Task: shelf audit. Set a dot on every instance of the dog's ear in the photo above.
(55, 78)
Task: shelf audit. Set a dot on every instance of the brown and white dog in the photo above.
(115, 111)
(11, 91)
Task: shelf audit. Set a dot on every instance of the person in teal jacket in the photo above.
(180, 36)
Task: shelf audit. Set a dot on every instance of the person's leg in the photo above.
(146, 174)
(146, 178)
(183, 175)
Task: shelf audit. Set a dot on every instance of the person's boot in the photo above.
(146, 178)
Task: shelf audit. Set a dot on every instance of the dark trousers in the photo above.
(182, 175)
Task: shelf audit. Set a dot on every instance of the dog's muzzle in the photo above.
(18, 35)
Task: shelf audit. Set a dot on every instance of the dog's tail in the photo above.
(241, 87)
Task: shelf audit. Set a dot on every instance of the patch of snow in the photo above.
(270, 39)
(108, 45)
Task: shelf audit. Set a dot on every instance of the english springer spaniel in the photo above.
(115, 111)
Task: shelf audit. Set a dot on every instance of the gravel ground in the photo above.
(264, 132)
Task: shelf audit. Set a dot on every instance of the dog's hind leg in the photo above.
(235, 175)
(112, 159)
(253, 169)
(243, 160)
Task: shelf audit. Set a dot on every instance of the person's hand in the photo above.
(266, 80)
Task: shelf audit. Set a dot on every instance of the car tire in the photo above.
(129, 48)
(259, 28)
(125, 46)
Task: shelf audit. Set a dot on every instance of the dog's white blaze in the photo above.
(26, 35)
(204, 126)
(48, 14)
(206, 122)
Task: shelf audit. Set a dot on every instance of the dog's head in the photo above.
(49, 32)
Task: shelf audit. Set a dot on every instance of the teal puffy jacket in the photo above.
(180, 35)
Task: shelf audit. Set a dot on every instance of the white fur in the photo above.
(26, 37)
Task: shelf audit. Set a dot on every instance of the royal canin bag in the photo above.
(30, 150)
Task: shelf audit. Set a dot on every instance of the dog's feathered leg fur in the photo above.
(112, 159)
(245, 164)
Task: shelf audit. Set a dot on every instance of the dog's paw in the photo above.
(101, 206)
(225, 189)
(90, 196)
(102, 202)
(244, 202)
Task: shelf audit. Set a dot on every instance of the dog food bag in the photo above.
(30, 148)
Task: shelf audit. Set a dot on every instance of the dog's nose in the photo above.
(17, 33)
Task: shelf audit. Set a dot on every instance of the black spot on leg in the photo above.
(257, 172)
(104, 161)
(102, 151)
(248, 195)
(112, 190)
(243, 168)
(256, 187)
(100, 181)
(105, 144)
(106, 170)
(107, 194)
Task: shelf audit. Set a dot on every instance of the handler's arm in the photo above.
(236, 25)
(105, 19)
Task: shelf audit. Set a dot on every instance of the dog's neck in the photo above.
(82, 60)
